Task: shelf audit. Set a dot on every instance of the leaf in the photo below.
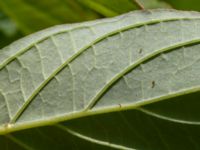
(140, 61)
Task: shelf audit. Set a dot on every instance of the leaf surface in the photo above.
(134, 61)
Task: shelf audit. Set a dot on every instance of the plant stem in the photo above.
(139, 4)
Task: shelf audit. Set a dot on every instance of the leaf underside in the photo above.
(131, 62)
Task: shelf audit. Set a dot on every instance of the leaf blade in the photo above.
(35, 121)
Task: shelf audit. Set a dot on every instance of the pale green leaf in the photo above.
(72, 73)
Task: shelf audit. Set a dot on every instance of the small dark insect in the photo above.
(140, 51)
(120, 105)
(153, 84)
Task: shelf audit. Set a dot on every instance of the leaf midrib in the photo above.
(49, 121)
(93, 101)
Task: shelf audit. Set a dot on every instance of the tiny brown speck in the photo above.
(140, 51)
(153, 84)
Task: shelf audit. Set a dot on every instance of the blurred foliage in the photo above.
(111, 8)
(34, 15)
(7, 26)
(185, 4)
(153, 4)
(22, 17)
(8, 30)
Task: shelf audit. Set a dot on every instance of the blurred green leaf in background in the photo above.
(8, 30)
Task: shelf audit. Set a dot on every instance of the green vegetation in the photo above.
(127, 82)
